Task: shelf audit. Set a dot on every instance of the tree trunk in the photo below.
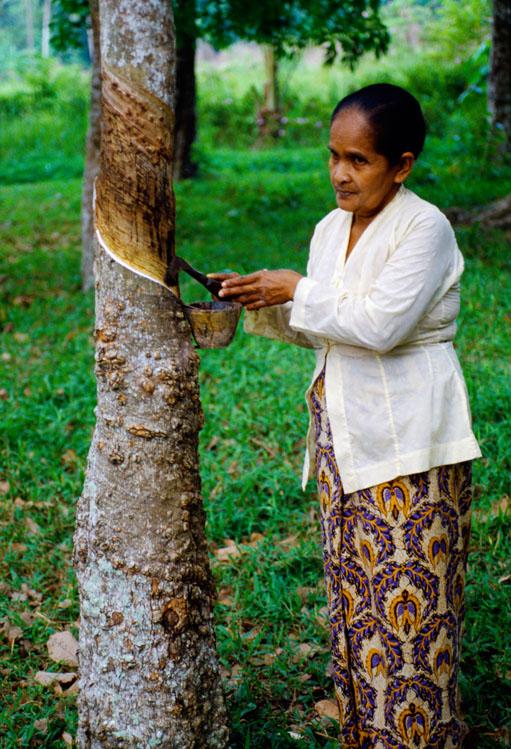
(495, 215)
(499, 81)
(269, 115)
(271, 86)
(29, 26)
(186, 103)
(91, 154)
(149, 676)
(45, 29)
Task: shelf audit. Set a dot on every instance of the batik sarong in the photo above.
(394, 562)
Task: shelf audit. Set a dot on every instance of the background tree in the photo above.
(148, 669)
(345, 30)
(499, 80)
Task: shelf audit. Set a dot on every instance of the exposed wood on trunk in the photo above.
(186, 104)
(499, 79)
(149, 676)
(91, 154)
(495, 215)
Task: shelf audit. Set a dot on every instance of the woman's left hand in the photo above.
(264, 288)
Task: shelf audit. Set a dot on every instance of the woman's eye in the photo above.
(359, 160)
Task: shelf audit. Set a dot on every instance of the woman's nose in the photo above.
(340, 174)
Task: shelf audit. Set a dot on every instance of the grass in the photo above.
(250, 208)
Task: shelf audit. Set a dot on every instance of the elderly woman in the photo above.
(390, 437)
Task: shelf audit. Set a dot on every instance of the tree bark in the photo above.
(499, 80)
(91, 154)
(149, 676)
(186, 106)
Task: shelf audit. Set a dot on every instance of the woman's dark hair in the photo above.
(394, 115)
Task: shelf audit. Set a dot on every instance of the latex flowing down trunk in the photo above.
(499, 79)
(91, 155)
(186, 104)
(149, 675)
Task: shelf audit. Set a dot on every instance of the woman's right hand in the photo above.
(221, 277)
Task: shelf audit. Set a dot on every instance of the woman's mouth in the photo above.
(344, 194)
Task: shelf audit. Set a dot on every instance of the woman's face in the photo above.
(363, 180)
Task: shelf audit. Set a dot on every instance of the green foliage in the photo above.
(456, 30)
(69, 23)
(347, 29)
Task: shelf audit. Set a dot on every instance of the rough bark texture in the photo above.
(499, 81)
(149, 675)
(91, 154)
(186, 107)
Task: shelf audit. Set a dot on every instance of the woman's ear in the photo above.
(405, 165)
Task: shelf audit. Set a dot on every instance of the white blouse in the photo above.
(382, 323)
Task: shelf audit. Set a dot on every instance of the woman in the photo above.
(390, 438)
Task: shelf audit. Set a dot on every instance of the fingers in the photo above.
(222, 276)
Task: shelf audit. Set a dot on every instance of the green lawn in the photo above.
(249, 209)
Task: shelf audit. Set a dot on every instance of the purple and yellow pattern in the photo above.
(394, 560)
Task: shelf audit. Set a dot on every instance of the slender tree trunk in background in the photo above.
(269, 114)
(271, 85)
(29, 25)
(149, 675)
(499, 81)
(186, 103)
(45, 29)
(91, 154)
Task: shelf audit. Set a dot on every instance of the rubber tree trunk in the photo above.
(149, 675)
(91, 153)
(499, 81)
(186, 106)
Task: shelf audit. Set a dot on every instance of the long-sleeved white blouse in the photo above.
(382, 323)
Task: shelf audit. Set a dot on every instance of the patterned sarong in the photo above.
(394, 560)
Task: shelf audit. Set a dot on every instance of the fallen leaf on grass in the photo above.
(305, 650)
(32, 526)
(19, 547)
(266, 659)
(225, 596)
(224, 553)
(69, 459)
(65, 604)
(4, 395)
(323, 617)
(23, 300)
(289, 542)
(67, 738)
(328, 708)
(63, 648)
(20, 337)
(41, 725)
(4, 487)
(50, 678)
(12, 632)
